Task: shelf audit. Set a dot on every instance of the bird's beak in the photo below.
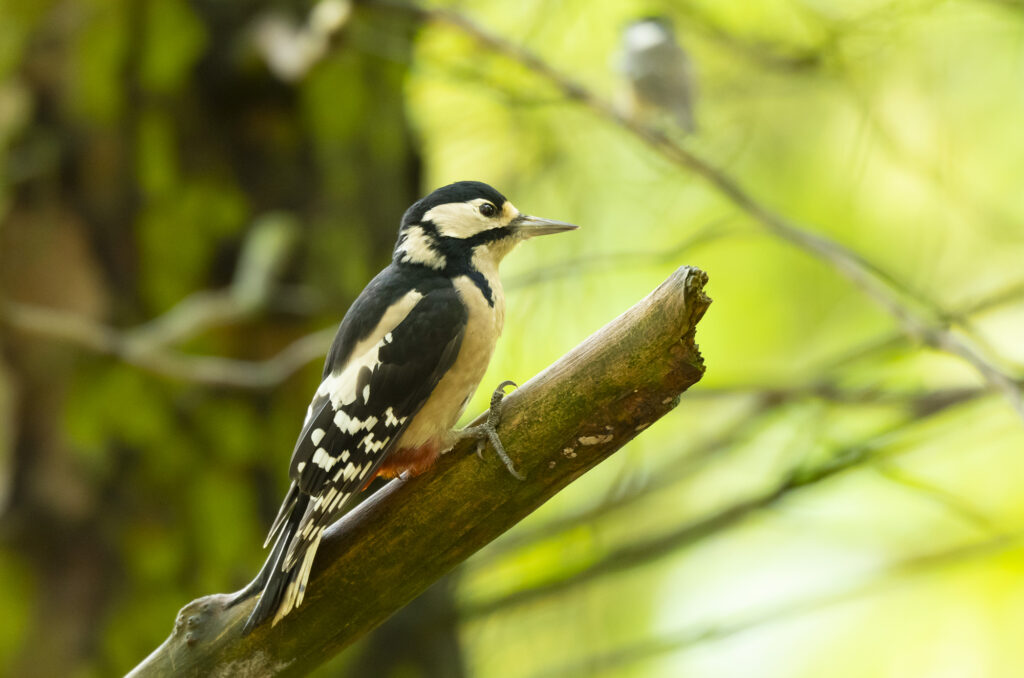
(526, 226)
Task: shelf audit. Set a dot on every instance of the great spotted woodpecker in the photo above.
(407, 358)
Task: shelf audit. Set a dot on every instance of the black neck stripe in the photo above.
(458, 253)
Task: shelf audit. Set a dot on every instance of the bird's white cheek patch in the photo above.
(458, 219)
(416, 248)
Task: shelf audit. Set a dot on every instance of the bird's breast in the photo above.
(446, 403)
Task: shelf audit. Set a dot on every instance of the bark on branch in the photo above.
(384, 553)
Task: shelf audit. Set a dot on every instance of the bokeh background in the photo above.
(193, 191)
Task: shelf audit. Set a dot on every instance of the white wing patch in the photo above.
(390, 420)
(341, 386)
(323, 459)
(353, 425)
(346, 472)
(371, 446)
(341, 389)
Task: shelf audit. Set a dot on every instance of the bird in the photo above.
(658, 73)
(407, 357)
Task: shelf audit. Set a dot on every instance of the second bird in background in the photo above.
(659, 75)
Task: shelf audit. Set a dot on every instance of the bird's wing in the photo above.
(362, 408)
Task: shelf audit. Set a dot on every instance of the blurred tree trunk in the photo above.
(420, 640)
(109, 149)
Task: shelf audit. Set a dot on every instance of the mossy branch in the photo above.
(384, 553)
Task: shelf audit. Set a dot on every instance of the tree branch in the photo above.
(383, 553)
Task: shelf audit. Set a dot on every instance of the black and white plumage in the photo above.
(408, 356)
(658, 73)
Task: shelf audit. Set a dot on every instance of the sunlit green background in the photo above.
(835, 498)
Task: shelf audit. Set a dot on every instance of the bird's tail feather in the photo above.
(281, 588)
(286, 511)
(298, 577)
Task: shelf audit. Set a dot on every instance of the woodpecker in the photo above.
(658, 73)
(407, 358)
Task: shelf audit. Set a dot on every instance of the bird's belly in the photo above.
(434, 421)
(446, 404)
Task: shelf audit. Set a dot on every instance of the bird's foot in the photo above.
(487, 432)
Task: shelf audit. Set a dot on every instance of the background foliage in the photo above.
(189, 187)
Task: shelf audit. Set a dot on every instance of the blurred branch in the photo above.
(572, 268)
(673, 472)
(145, 350)
(254, 289)
(1013, 5)
(395, 544)
(1005, 295)
(649, 550)
(920, 404)
(873, 583)
(920, 320)
(948, 500)
(762, 52)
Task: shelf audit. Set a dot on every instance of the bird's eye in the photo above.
(488, 210)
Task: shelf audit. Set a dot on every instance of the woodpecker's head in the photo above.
(466, 223)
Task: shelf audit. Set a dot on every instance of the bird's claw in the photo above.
(487, 432)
